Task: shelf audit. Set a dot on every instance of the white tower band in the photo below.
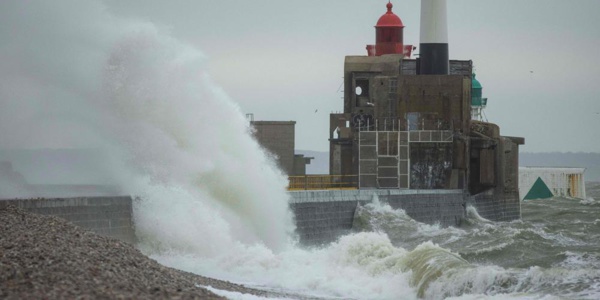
(434, 38)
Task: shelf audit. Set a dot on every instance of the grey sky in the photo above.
(283, 60)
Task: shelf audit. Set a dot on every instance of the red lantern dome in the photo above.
(389, 37)
(389, 19)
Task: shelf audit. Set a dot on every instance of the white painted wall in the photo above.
(566, 182)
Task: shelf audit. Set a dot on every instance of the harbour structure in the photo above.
(416, 123)
(478, 102)
(412, 134)
(548, 182)
(278, 138)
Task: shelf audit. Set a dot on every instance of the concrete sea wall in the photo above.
(322, 216)
(497, 206)
(108, 216)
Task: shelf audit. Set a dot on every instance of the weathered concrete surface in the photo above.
(107, 216)
(446, 209)
(278, 138)
(323, 216)
(497, 206)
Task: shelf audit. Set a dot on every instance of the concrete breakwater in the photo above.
(107, 216)
(323, 216)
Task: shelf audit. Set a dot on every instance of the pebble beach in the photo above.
(46, 257)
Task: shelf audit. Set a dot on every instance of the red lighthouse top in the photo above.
(389, 19)
(389, 37)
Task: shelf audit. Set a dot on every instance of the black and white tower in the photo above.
(434, 59)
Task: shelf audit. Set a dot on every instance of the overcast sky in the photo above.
(283, 60)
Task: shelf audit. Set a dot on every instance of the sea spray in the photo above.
(473, 216)
(428, 262)
(171, 137)
(186, 136)
(363, 265)
(377, 216)
(404, 231)
(358, 266)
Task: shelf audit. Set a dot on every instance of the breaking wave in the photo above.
(514, 260)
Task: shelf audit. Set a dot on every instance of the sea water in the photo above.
(209, 200)
(553, 252)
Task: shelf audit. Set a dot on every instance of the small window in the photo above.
(361, 91)
(412, 119)
(393, 83)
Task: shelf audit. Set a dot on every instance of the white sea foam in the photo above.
(588, 201)
(557, 238)
(361, 266)
(520, 296)
(384, 214)
(531, 283)
(238, 295)
(576, 260)
(473, 214)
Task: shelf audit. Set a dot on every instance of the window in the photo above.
(412, 119)
(393, 83)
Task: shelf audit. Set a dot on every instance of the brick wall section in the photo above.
(108, 216)
(323, 216)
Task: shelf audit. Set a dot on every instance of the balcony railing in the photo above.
(415, 123)
(323, 182)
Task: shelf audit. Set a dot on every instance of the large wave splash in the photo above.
(205, 175)
(175, 140)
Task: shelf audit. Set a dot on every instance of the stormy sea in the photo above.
(209, 200)
(553, 252)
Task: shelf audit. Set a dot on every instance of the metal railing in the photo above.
(323, 182)
(393, 124)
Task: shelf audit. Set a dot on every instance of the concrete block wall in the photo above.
(108, 216)
(445, 209)
(502, 207)
(323, 222)
(278, 137)
(323, 216)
